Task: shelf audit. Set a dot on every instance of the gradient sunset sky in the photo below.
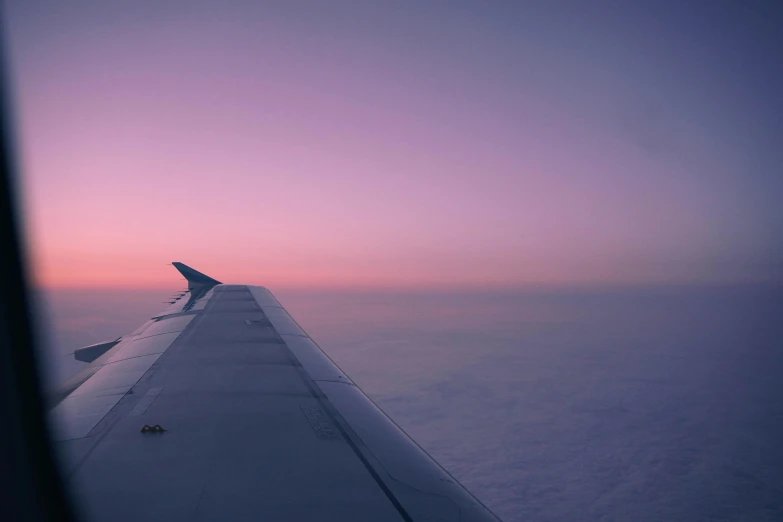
(403, 144)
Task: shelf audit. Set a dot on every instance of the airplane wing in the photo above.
(223, 408)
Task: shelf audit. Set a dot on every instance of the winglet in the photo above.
(194, 277)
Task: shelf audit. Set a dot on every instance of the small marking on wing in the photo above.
(320, 423)
(145, 402)
(152, 429)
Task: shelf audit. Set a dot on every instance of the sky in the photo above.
(400, 144)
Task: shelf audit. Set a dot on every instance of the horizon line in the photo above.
(437, 287)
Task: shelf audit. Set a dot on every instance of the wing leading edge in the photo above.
(259, 423)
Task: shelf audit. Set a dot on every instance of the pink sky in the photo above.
(363, 148)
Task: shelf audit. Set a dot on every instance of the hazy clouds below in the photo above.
(550, 406)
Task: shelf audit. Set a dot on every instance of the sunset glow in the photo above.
(353, 145)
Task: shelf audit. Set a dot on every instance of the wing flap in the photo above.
(89, 353)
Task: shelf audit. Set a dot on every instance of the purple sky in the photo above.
(396, 144)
